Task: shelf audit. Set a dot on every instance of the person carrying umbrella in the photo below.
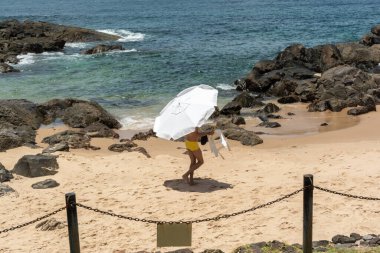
(183, 116)
(194, 152)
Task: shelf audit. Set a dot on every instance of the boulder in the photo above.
(61, 146)
(5, 175)
(77, 113)
(102, 48)
(143, 135)
(5, 68)
(231, 108)
(48, 183)
(120, 147)
(5, 189)
(73, 138)
(36, 165)
(98, 129)
(246, 100)
(245, 137)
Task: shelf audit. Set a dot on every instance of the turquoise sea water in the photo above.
(171, 45)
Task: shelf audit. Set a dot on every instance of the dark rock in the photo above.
(5, 175)
(291, 113)
(240, 84)
(245, 137)
(246, 100)
(62, 146)
(212, 251)
(16, 136)
(225, 123)
(342, 239)
(5, 68)
(276, 245)
(269, 124)
(84, 113)
(270, 108)
(5, 189)
(50, 224)
(260, 244)
(238, 120)
(102, 48)
(140, 150)
(320, 243)
(98, 129)
(77, 113)
(358, 110)
(144, 135)
(36, 165)
(274, 116)
(231, 108)
(376, 30)
(288, 99)
(356, 236)
(20, 112)
(324, 124)
(48, 183)
(368, 237)
(345, 245)
(122, 147)
(248, 249)
(72, 138)
(374, 241)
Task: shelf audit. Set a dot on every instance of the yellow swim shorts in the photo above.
(191, 145)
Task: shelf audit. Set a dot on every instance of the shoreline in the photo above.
(133, 185)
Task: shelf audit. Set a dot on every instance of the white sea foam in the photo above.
(124, 34)
(136, 122)
(26, 58)
(224, 86)
(77, 45)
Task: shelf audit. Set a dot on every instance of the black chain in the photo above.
(33, 221)
(225, 216)
(345, 194)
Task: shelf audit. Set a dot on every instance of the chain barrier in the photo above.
(344, 194)
(33, 221)
(225, 216)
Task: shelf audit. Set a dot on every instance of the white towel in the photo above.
(223, 141)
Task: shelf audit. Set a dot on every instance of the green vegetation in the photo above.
(283, 248)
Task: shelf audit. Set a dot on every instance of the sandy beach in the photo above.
(343, 156)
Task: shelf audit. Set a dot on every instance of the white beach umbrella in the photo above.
(188, 110)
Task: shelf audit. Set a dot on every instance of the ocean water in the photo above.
(171, 45)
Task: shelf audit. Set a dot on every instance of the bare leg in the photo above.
(199, 161)
(185, 176)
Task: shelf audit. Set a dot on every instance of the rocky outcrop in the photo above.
(102, 49)
(48, 183)
(36, 165)
(72, 138)
(36, 37)
(330, 77)
(5, 68)
(5, 175)
(77, 113)
(19, 120)
(5, 189)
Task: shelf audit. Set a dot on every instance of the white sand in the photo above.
(346, 160)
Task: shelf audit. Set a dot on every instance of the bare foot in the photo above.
(186, 179)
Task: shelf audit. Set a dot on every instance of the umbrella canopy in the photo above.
(188, 110)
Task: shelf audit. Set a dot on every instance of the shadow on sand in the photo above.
(201, 185)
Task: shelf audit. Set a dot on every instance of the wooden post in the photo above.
(72, 221)
(308, 213)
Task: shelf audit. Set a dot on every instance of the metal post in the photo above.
(72, 221)
(308, 213)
